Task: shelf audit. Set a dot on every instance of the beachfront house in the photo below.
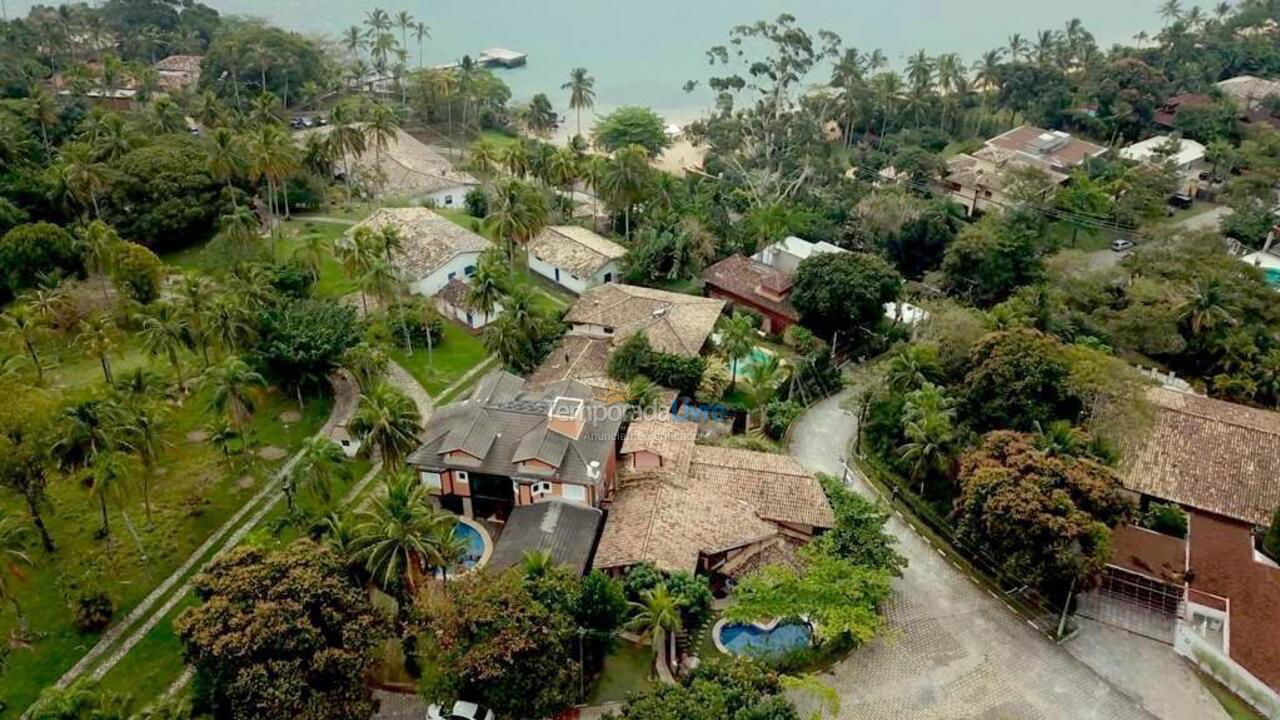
(716, 511)
(405, 168)
(606, 315)
(988, 178)
(1211, 593)
(509, 445)
(434, 250)
(575, 258)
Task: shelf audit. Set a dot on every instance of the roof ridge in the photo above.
(1226, 421)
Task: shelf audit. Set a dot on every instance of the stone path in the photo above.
(406, 383)
(117, 641)
(325, 219)
(950, 650)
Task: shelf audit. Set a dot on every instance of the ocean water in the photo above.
(643, 52)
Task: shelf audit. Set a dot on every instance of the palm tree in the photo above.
(44, 111)
(86, 177)
(353, 38)
(85, 430)
(1017, 46)
(487, 287)
(517, 213)
(1207, 308)
(194, 293)
(320, 463)
(928, 426)
(657, 613)
(582, 93)
(912, 367)
(141, 435)
(100, 243)
(516, 158)
(107, 480)
(737, 338)
(347, 139)
(762, 381)
(484, 155)
(642, 393)
(22, 324)
(312, 250)
(226, 156)
(625, 179)
(386, 420)
(421, 32)
(446, 549)
(99, 337)
(221, 433)
(273, 156)
(393, 536)
(1170, 11)
(404, 21)
(381, 128)
(233, 383)
(366, 363)
(13, 555)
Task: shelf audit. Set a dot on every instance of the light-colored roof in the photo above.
(1249, 90)
(576, 249)
(408, 165)
(1189, 151)
(704, 500)
(180, 63)
(429, 240)
(798, 247)
(454, 293)
(988, 168)
(674, 322)
(1211, 455)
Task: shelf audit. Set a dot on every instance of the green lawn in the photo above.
(1086, 240)
(459, 352)
(194, 492)
(1236, 708)
(628, 670)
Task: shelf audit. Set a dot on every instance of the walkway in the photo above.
(950, 650)
(122, 637)
(407, 384)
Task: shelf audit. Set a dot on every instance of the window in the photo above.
(577, 493)
(608, 331)
(453, 275)
(608, 277)
(430, 480)
(448, 199)
(470, 321)
(470, 270)
(461, 476)
(557, 274)
(541, 488)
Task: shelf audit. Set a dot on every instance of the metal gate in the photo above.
(1134, 602)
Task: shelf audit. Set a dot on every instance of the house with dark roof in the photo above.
(565, 530)
(575, 258)
(509, 445)
(717, 511)
(606, 315)
(434, 250)
(1212, 594)
(761, 284)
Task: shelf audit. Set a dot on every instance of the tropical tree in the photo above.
(517, 212)
(928, 426)
(762, 382)
(625, 179)
(656, 614)
(737, 338)
(221, 433)
(348, 140)
(312, 250)
(140, 434)
(446, 549)
(99, 337)
(107, 480)
(13, 555)
(22, 324)
(233, 383)
(1207, 307)
(321, 462)
(485, 155)
(100, 243)
(387, 421)
(582, 93)
(394, 536)
(381, 129)
(227, 162)
(366, 362)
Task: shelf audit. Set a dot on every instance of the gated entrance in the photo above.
(1135, 602)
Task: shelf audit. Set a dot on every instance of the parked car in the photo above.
(1181, 200)
(1121, 245)
(461, 711)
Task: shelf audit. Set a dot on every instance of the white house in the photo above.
(406, 168)
(575, 258)
(787, 254)
(452, 302)
(1188, 157)
(434, 249)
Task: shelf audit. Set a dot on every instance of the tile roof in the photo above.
(504, 421)
(1049, 147)
(1210, 455)
(581, 358)
(743, 277)
(180, 63)
(565, 529)
(706, 500)
(454, 293)
(1150, 553)
(675, 322)
(576, 249)
(430, 240)
(408, 166)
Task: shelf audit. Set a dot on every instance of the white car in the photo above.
(1120, 245)
(461, 711)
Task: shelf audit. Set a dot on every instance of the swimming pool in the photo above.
(739, 638)
(755, 357)
(1272, 276)
(475, 544)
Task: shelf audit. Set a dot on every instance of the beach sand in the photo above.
(683, 154)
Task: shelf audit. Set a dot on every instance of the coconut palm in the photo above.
(165, 332)
(98, 336)
(420, 32)
(657, 613)
(44, 111)
(446, 549)
(86, 177)
(85, 429)
(233, 383)
(14, 539)
(107, 481)
(273, 157)
(911, 368)
(1207, 308)
(928, 425)
(624, 180)
(487, 287)
(194, 293)
(1170, 12)
(762, 382)
(347, 140)
(485, 155)
(642, 393)
(516, 159)
(353, 38)
(319, 464)
(226, 156)
(141, 436)
(404, 20)
(100, 243)
(381, 129)
(22, 324)
(366, 363)
(1017, 46)
(582, 93)
(517, 212)
(393, 536)
(737, 338)
(221, 433)
(387, 421)
(312, 250)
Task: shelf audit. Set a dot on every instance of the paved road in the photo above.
(950, 650)
(1206, 220)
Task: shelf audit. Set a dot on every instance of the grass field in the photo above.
(459, 352)
(628, 670)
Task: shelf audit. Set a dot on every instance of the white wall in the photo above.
(478, 319)
(431, 284)
(568, 280)
(1189, 644)
(450, 197)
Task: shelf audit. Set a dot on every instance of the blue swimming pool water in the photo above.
(1272, 276)
(747, 639)
(755, 357)
(475, 544)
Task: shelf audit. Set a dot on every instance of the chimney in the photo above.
(567, 416)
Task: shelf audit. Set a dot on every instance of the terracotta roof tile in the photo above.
(742, 276)
(578, 250)
(674, 322)
(430, 240)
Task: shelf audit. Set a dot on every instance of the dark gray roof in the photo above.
(565, 529)
(504, 423)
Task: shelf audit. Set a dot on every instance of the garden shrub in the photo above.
(93, 611)
(1167, 519)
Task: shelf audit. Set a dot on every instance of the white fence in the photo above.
(1188, 643)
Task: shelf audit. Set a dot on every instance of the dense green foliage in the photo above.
(717, 690)
(843, 292)
(629, 126)
(29, 252)
(303, 341)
